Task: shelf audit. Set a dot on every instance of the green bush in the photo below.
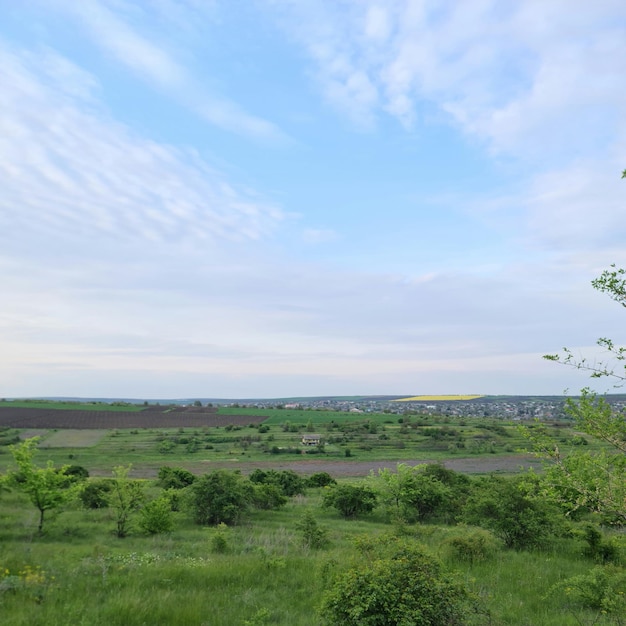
(220, 496)
(175, 477)
(268, 496)
(94, 494)
(400, 586)
(501, 505)
(602, 589)
(219, 540)
(350, 500)
(156, 517)
(472, 545)
(320, 479)
(313, 535)
(597, 547)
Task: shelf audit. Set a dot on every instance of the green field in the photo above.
(78, 572)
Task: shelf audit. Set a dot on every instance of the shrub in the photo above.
(220, 496)
(175, 477)
(313, 535)
(219, 540)
(77, 472)
(94, 494)
(268, 496)
(399, 586)
(597, 548)
(288, 481)
(473, 546)
(602, 589)
(350, 500)
(320, 479)
(156, 517)
(501, 505)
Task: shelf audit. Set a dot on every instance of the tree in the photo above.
(289, 483)
(411, 493)
(94, 494)
(583, 480)
(504, 506)
(126, 497)
(175, 477)
(220, 497)
(47, 487)
(350, 500)
(397, 584)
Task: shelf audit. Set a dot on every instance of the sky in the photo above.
(280, 198)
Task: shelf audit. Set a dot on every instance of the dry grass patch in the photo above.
(74, 439)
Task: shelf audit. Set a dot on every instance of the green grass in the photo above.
(361, 438)
(81, 574)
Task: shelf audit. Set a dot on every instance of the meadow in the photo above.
(347, 439)
(261, 570)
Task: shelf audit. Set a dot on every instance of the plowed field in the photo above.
(149, 418)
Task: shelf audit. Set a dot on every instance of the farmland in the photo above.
(205, 438)
(162, 576)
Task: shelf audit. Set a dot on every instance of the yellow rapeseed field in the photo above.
(436, 398)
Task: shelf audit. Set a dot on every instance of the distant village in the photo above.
(516, 408)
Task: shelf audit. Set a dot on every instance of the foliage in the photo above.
(175, 477)
(411, 493)
(350, 500)
(47, 487)
(219, 539)
(598, 548)
(472, 545)
(156, 516)
(77, 472)
(501, 505)
(126, 497)
(94, 494)
(603, 589)
(288, 481)
(221, 496)
(397, 586)
(268, 496)
(588, 480)
(313, 535)
(320, 479)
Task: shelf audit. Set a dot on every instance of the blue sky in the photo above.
(205, 198)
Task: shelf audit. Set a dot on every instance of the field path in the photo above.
(508, 464)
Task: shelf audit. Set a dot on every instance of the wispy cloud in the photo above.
(539, 82)
(517, 76)
(111, 28)
(68, 169)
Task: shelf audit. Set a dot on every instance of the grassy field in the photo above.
(346, 438)
(79, 573)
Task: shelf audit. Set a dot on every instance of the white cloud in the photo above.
(110, 27)
(68, 170)
(319, 235)
(522, 76)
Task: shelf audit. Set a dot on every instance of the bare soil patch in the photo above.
(182, 417)
(504, 464)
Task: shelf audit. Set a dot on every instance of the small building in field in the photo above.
(311, 440)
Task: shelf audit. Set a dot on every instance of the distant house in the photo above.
(311, 440)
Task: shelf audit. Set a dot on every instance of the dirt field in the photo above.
(506, 464)
(190, 417)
